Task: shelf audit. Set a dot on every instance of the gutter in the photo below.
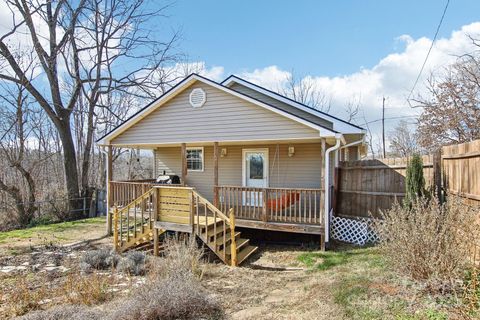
(336, 148)
(339, 138)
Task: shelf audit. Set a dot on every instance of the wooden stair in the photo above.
(179, 209)
(217, 231)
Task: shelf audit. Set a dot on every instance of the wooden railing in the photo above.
(135, 218)
(124, 192)
(203, 210)
(292, 205)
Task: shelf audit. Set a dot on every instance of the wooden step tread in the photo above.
(245, 253)
(220, 238)
(241, 243)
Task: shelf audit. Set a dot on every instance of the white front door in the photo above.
(255, 174)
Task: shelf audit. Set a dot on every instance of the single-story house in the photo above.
(241, 149)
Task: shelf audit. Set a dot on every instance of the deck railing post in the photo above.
(155, 200)
(115, 228)
(233, 244)
(264, 205)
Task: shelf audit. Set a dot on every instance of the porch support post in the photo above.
(109, 169)
(215, 174)
(184, 164)
(322, 184)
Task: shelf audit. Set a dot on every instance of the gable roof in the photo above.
(142, 113)
(338, 124)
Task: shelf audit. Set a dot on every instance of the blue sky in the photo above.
(326, 38)
(354, 52)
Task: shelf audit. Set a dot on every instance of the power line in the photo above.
(391, 118)
(429, 50)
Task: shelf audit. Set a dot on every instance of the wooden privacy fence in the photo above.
(365, 186)
(461, 170)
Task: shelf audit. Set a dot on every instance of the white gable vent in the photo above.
(198, 97)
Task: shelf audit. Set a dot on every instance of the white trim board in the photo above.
(323, 132)
(338, 125)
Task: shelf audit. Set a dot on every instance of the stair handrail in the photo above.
(117, 218)
(211, 206)
(228, 223)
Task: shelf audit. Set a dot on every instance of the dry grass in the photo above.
(430, 243)
(36, 293)
(179, 254)
(25, 298)
(87, 290)
(172, 289)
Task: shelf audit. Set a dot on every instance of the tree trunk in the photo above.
(70, 165)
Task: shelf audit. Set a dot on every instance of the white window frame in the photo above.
(203, 159)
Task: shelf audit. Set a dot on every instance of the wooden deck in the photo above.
(179, 209)
(147, 210)
(295, 210)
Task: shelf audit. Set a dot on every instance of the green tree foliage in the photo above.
(415, 182)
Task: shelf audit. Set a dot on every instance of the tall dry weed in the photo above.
(429, 242)
(172, 290)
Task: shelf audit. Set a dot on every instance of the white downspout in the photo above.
(339, 138)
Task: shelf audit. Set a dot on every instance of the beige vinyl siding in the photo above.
(281, 105)
(224, 117)
(303, 170)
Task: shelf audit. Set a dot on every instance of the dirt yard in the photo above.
(278, 282)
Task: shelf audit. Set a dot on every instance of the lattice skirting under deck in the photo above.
(356, 230)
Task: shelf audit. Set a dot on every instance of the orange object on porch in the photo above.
(283, 202)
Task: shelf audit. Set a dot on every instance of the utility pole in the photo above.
(383, 127)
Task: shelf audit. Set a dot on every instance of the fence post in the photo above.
(437, 174)
(233, 244)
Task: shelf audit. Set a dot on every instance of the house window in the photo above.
(195, 159)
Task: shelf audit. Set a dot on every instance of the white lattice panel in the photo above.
(354, 230)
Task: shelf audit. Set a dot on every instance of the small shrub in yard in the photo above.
(64, 313)
(133, 263)
(98, 259)
(429, 242)
(179, 296)
(172, 290)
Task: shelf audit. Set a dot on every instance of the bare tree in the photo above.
(451, 114)
(15, 127)
(304, 90)
(86, 49)
(403, 141)
(352, 109)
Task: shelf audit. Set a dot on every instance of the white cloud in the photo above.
(392, 77)
(270, 77)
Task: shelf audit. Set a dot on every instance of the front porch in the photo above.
(296, 210)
